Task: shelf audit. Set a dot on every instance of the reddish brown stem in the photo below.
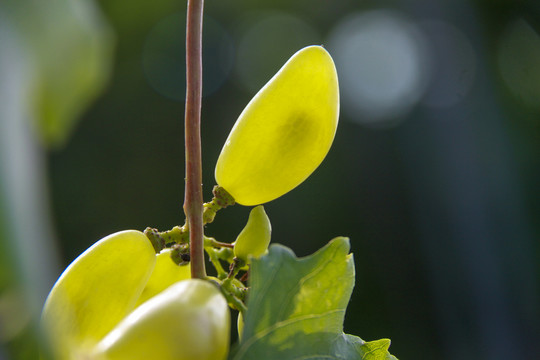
(193, 201)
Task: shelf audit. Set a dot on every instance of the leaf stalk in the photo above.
(193, 200)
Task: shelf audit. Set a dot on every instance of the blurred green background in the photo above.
(434, 173)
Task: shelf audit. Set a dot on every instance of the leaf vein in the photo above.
(305, 278)
(279, 325)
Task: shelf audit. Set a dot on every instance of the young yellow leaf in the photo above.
(284, 133)
(95, 292)
(165, 273)
(187, 321)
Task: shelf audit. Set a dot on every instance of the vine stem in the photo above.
(193, 200)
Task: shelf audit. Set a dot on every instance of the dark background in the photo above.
(433, 173)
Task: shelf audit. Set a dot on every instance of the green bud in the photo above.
(254, 239)
(240, 325)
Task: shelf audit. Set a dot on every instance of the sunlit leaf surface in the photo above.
(96, 291)
(165, 273)
(297, 306)
(285, 132)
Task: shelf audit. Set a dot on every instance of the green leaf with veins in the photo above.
(296, 308)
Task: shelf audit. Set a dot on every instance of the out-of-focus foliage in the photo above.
(67, 50)
(55, 58)
(17, 337)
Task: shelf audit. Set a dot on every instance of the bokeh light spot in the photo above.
(382, 64)
(453, 64)
(164, 56)
(268, 41)
(518, 57)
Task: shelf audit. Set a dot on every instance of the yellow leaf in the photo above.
(165, 273)
(190, 320)
(96, 291)
(284, 133)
